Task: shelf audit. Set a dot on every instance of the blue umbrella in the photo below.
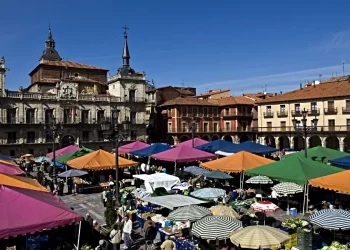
(5, 157)
(208, 193)
(218, 145)
(72, 173)
(150, 150)
(58, 164)
(196, 170)
(217, 174)
(42, 158)
(252, 147)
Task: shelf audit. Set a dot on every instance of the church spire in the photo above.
(126, 54)
(50, 52)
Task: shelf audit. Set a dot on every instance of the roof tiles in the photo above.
(70, 64)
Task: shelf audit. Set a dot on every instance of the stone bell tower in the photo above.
(2, 76)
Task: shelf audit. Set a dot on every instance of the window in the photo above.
(298, 124)
(100, 116)
(347, 107)
(297, 107)
(268, 109)
(206, 127)
(269, 126)
(314, 106)
(30, 113)
(86, 135)
(215, 112)
(348, 124)
(331, 125)
(148, 112)
(169, 112)
(216, 127)
(85, 116)
(115, 116)
(227, 126)
(152, 96)
(133, 135)
(67, 116)
(195, 111)
(184, 111)
(132, 94)
(11, 137)
(133, 117)
(283, 126)
(331, 106)
(30, 137)
(227, 111)
(100, 136)
(169, 127)
(184, 127)
(12, 153)
(283, 108)
(48, 115)
(49, 138)
(11, 116)
(244, 126)
(31, 151)
(205, 112)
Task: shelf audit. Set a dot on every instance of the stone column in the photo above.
(323, 141)
(291, 143)
(341, 144)
(277, 142)
(307, 142)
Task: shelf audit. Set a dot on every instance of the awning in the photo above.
(173, 201)
(153, 181)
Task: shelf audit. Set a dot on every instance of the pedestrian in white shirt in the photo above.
(127, 233)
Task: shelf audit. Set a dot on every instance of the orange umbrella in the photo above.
(21, 182)
(338, 182)
(99, 160)
(12, 163)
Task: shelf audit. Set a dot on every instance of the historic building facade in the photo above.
(327, 104)
(217, 115)
(78, 96)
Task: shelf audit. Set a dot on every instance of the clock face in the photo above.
(68, 91)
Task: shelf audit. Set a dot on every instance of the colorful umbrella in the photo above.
(224, 211)
(264, 206)
(41, 159)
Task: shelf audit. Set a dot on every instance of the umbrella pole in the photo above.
(175, 169)
(287, 212)
(307, 198)
(78, 243)
(304, 199)
(240, 180)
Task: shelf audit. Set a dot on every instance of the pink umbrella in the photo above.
(63, 151)
(132, 147)
(12, 170)
(188, 143)
(25, 211)
(264, 206)
(183, 154)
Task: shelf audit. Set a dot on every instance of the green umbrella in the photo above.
(72, 155)
(319, 152)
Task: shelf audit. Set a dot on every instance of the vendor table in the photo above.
(188, 244)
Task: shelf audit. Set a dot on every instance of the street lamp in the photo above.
(305, 129)
(193, 128)
(113, 136)
(51, 130)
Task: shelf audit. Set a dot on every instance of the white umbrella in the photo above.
(287, 188)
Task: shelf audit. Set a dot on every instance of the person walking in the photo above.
(127, 233)
(116, 237)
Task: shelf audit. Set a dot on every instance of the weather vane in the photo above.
(125, 29)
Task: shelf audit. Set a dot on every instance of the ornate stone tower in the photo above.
(2, 76)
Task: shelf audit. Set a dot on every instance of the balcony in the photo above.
(313, 112)
(346, 110)
(282, 113)
(235, 114)
(268, 114)
(318, 129)
(330, 111)
(297, 113)
(135, 99)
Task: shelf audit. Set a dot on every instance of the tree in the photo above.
(110, 213)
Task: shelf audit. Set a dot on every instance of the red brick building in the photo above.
(217, 116)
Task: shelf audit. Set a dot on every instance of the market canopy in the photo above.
(99, 160)
(319, 152)
(126, 149)
(253, 147)
(183, 154)
(342, 161)
(74, 154)
(9, 169)
(150, 150)
(63, 151)
(21, 182)
(5, 157)
(173, 201)
(9, 162)
(295, 169)
(188, 143)
(237, 163)
(153, 181)
(338, 182)
(25, 211)
(218, 145)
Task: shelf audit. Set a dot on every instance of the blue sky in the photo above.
(237, 45)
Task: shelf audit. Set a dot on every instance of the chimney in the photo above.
(281, 92)
(301, 86)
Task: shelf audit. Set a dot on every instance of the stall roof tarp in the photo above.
(21, 182)
(9, 169)
(188, 143)
(8, 162)
(157, 180)
(99, 160)
(319, 152)
(63, 151)
(126, 149)
(25, 211)
(173, 201)
(295, 169)
(5, 157)
(73, 155)
(183, 154)
(153, 149)
(342, 161)
(338, 182)
(237, 163)
(253, 147)
(218, 145)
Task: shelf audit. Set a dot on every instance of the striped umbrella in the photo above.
(191, 213)
(332, 219)
(287, 188)
(259, 180)
(196, 170)
(256, 237)
(215, 227)
(208, 193)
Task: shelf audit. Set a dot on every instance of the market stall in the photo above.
(156, 180)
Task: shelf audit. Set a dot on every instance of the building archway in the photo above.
(170, 140)
(67, 140)
(206, 137)
(244, 138)
(215, 137)
(346, 144)
(314, 141)
(332, 142)
(270, 141)
(184, 138)
(228, 138)
(283, 142)
(298, 142)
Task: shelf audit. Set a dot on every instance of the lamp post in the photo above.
(193, 128)
(112, 134)
(305, 129)
(52, 131)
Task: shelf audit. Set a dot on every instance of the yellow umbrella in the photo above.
(224, 211)
(21, 182)
(256, 237)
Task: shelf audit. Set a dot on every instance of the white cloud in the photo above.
(337, 41)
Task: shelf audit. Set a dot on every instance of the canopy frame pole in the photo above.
(307, 197)
(78, 243)
(175, 168)
(304, 199)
